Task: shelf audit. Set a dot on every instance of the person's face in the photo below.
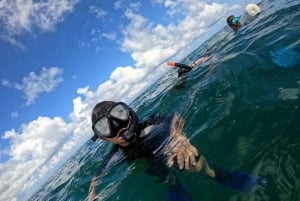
(111, 126)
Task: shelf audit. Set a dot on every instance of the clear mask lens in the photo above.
(110, 123)
(102, 127)
(120, 112)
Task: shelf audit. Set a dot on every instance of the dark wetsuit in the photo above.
(153, 134)
(181, 71)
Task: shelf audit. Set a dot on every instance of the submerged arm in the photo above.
(104, 165)
(92, 192)
(187, 157)
(183, 152)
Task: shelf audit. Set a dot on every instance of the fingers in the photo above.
(184, 152)
(187, 162)
(193, 150)
(179, 147)
(180, 160)
(193, 159)
(170, 161)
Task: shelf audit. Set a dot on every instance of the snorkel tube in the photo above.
(180, 65)
(130, 134)
(182, 68)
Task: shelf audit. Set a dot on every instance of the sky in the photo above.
(61, 57)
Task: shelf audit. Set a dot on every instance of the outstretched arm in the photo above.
(183, 152)
(202, 164)
(110, 159)
(200, 60)
(180, 150)
(92, 192)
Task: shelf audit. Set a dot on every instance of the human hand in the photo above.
(184, 153)
(92, 193)
(179, 147)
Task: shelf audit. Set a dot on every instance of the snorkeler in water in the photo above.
(183, 68)
(234, 22)
(251, 11)
(161, 142)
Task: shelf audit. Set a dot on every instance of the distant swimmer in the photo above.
(183, 68)
(234, 22)
(251, 11)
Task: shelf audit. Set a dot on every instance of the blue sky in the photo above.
(60, 57)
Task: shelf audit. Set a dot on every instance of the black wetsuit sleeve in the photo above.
(181, 71)
(159, 170)
(183, 66)
(150, 120)
(153, 140)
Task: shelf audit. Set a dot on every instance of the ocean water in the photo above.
(242, 111)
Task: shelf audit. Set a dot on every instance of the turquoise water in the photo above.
(242, 111)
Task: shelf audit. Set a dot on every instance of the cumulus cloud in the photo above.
(17, 17)
(149, 44)
(36, 148)
(33, 85)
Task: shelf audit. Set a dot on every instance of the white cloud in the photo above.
(110, 36)
(98, 11)
(17, 17)
(150, 45)
(118, 4)
(127, 75)
(6, 83)
(33, 85)
(34, 151)
(161, 41)
(135, 6)
(132, 5)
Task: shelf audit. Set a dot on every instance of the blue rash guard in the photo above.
(152, 136)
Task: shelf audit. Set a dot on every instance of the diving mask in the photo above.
(118, 120)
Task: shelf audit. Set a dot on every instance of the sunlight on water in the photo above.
(285, 57)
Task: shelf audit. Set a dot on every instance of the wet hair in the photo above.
(100, 109)
(229, 20)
